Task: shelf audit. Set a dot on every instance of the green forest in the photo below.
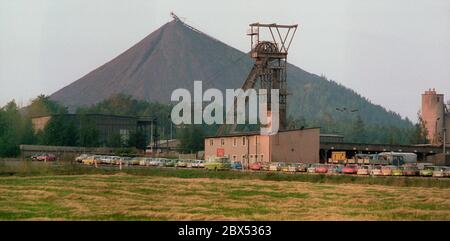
(16, 126)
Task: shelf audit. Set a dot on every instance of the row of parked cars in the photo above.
(137, 161)
(374, 170)
(223, 163)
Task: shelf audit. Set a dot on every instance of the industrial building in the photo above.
(436, 115)
(107, 125)
(301, 145)
(308, 145)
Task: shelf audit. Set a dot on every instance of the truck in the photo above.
(394, 158)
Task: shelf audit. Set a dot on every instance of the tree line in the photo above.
(63, 130)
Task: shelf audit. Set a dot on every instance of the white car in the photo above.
(439, 171)
(312, 168)
(376, 171)
(154, 162)
(145, 162)
(81, 157)
(275, 166)
(363, 170)
(198, 164)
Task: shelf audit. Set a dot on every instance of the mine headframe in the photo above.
(269, 48)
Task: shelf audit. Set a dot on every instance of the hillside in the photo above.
(175, 55)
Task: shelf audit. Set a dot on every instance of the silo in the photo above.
(433, 114)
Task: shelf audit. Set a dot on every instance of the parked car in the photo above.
(154, 162)
(422, 165)
(236, 165)
(189, 163)
(447, 172)
(39, 157)
(218, 163)
(108, 160)
(376, 170)
(79, 158)
(284, 167)
(46, 157)
(168, 163)
(34, 157)
(322, 168)
(363, 170)
(396, 171)
(198, 164)
(350, 169)
(103, 160)
(182, 163)
(297, 167)
(387, 170)
(427, 171)
(275, 166)
(256, 166)
(90, 160)
(124, 160)
(302, 167)
(145, 161)
(335, 168)
(265, 166)
(439, 171)
(410, 170)
(312, 168)
(135, 161)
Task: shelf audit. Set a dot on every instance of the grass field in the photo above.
(155, 194)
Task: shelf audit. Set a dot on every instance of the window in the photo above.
(211, 142)
(222, 141)
(234, 141)
(261, 157)
(243, 158)
(234, 158)
(243, 141)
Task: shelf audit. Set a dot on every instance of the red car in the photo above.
(321, 169)
(410, 171)
(255, 166)
(46, 157)
(350, 169)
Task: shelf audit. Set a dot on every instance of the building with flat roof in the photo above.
(300, 145)
(107, 125)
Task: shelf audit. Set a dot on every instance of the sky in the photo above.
(387, 51)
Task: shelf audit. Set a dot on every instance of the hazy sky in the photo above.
(388, 51)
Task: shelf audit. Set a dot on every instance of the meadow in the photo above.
(33, 191)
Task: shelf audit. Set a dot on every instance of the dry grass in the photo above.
(131, 197)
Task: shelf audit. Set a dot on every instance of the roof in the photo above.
(94, 114)
(162, 142)
(331, 135)
(255, 133)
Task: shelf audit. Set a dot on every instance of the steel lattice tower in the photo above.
(270, 68)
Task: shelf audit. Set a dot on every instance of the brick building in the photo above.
(300, 145)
